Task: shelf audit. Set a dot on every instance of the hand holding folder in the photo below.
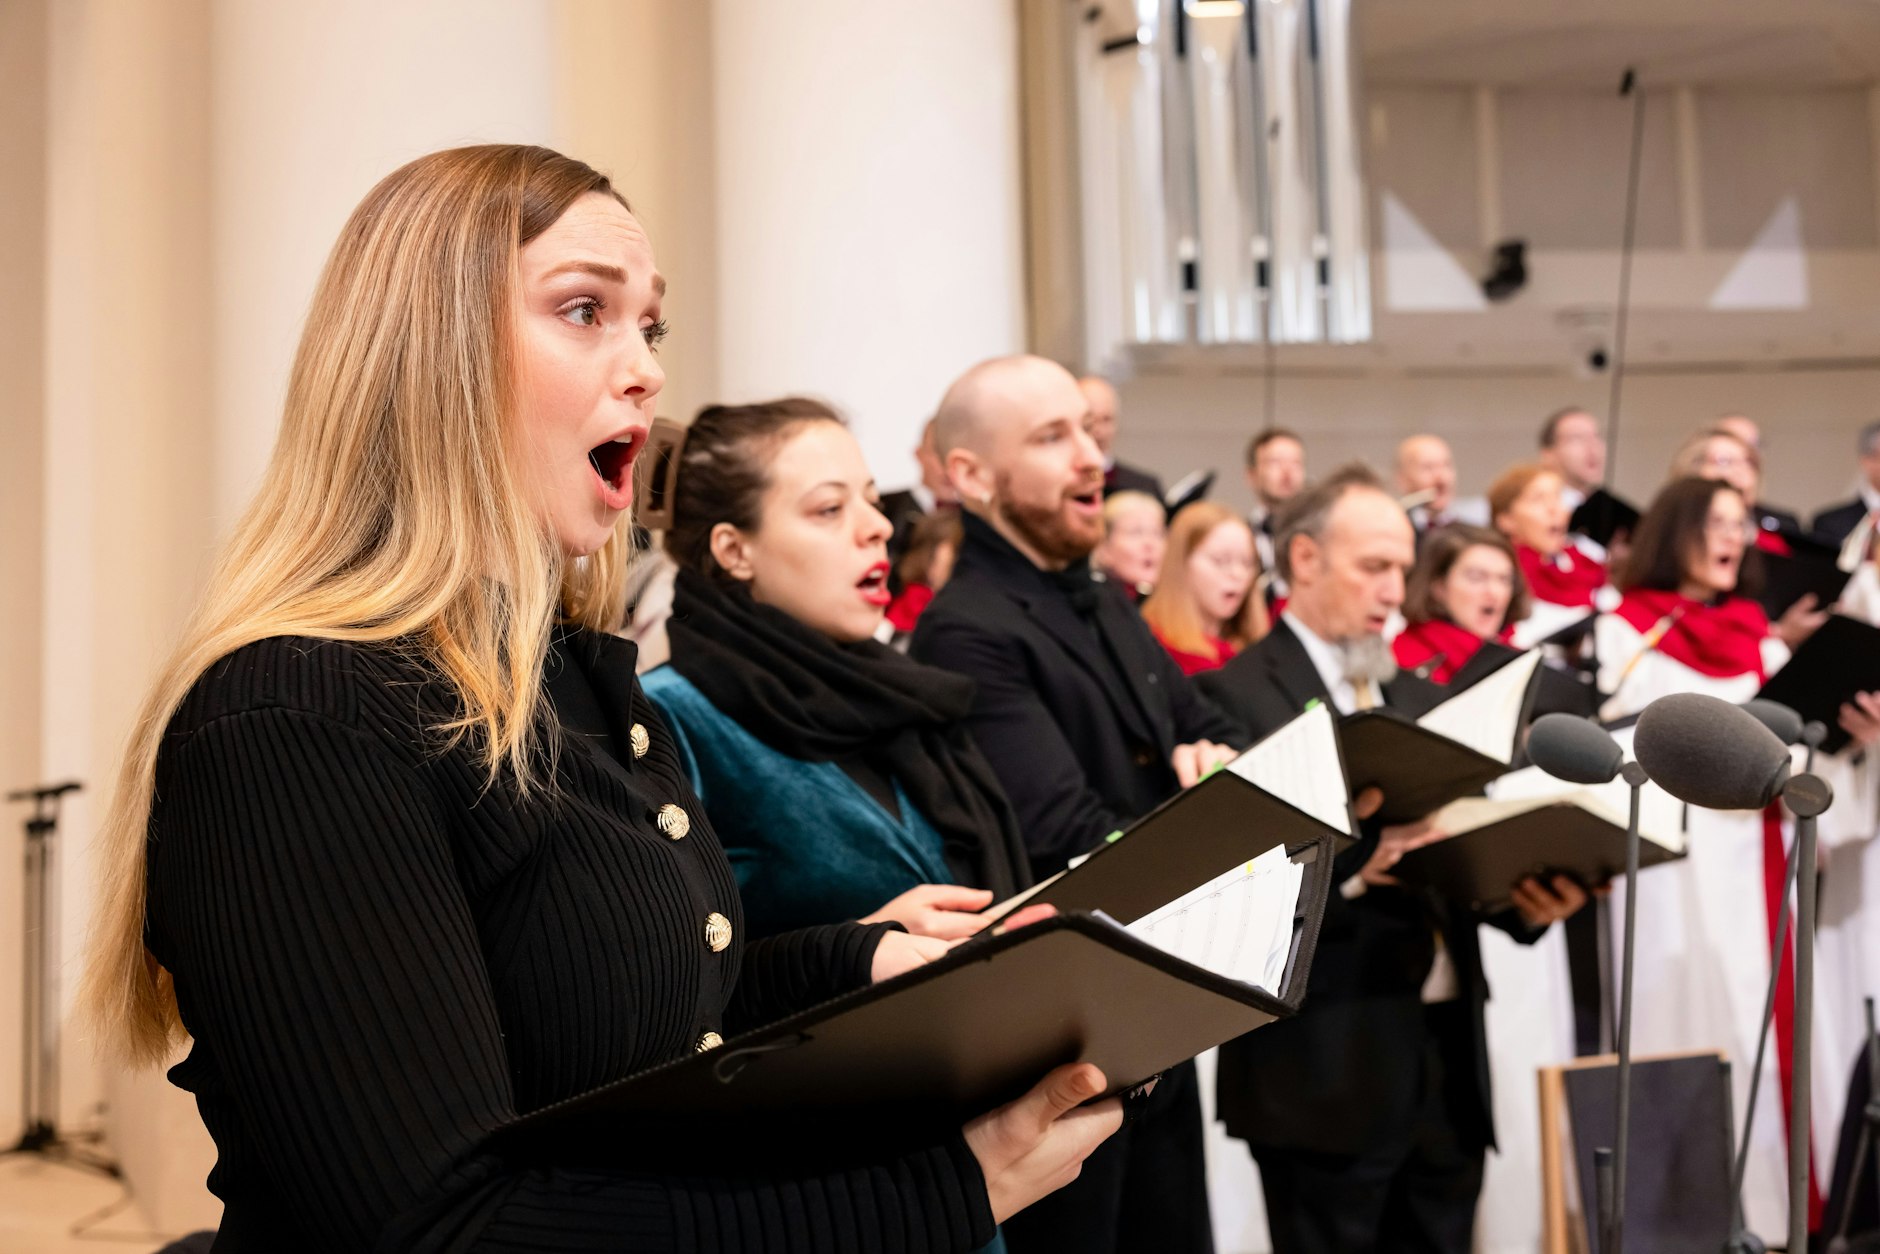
(1532, 824)
(1195, 926)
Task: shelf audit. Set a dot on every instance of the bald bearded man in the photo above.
(1088, 725)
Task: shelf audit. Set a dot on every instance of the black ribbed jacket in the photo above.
(382, 962)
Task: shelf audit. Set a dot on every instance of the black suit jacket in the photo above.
(1077, 723)
(1344, 1074)
(1122, 477)
(1779, 521)
(1835, 524)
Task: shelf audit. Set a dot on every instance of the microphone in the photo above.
(1783, 722)
(1580, 751)
(1709, 753)
(1718, 756)
(1575, 749)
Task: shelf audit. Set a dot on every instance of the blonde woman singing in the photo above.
(400, 847)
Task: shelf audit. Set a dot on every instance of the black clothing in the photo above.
(1121, 477)
(1077, 716)
(1779, 521)
(904, 512)
(1347, 1074)
(1144, 1191)
(1079, 709)
(384, 957)
(1835, 524)
(1410, 1195)
(817, 701)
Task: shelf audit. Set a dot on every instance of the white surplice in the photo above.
(1848, 940)
(1702, 957)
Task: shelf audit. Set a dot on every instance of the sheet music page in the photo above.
(1486, 716)
(1238, 925)
(1544, 621)
(1299, 764)
(1659, 818)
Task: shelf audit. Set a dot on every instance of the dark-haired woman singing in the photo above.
(836, 771)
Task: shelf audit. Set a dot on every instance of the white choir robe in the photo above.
(1702, 959)
(1530, 1026)
(1847, 954)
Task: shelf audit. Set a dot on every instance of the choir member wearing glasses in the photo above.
(1206, 606)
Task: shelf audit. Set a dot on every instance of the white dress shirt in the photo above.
(1329, 660)
(1440, 984)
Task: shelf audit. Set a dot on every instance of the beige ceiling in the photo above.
(1588, 43)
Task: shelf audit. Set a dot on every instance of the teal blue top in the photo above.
(808, 844)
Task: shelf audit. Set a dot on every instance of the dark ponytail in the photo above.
(723, 470)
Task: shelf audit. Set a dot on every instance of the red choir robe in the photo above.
(1448, 645)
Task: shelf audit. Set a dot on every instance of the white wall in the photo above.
(870, 238)
(313, 104)
(23, 142)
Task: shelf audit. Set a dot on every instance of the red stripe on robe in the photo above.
(1774, 865)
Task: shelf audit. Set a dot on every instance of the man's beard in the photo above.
(1367, 657)
(1043, 528)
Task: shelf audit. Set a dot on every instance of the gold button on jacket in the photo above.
(710, 1040)
(639, 740)
(717, 932)
(673, 821)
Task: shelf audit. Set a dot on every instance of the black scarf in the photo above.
(812, 699)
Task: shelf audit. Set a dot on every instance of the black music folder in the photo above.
(1190, 488)
(1601, 516)
(1154, 979)
(1558, 689)
(1808, 567)
(1839, 660)
(1499, 843)
(1453, 751)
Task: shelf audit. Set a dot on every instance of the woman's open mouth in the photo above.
(874, 585)
(613, 466)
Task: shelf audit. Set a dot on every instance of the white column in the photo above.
(313, 104)
(869, 210)
(124, 469)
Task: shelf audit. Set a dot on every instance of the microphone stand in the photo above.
(1741, 1241)
(1612, 1214)
(1807, 796)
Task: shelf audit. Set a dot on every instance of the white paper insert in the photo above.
(1238, 925)
(1299, 764)
(1486, 716)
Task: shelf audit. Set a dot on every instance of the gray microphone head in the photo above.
(1785, 724)
(1710, 753)
(1575, 749)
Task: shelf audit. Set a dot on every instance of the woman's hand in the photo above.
(1860, 718)
(1038, 1144)
(943, 911)
(1799, 621)
(900, 952)
(1194, 761)
(1542, 902)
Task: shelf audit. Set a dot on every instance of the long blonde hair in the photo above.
(391, 511)
(1171, 608)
